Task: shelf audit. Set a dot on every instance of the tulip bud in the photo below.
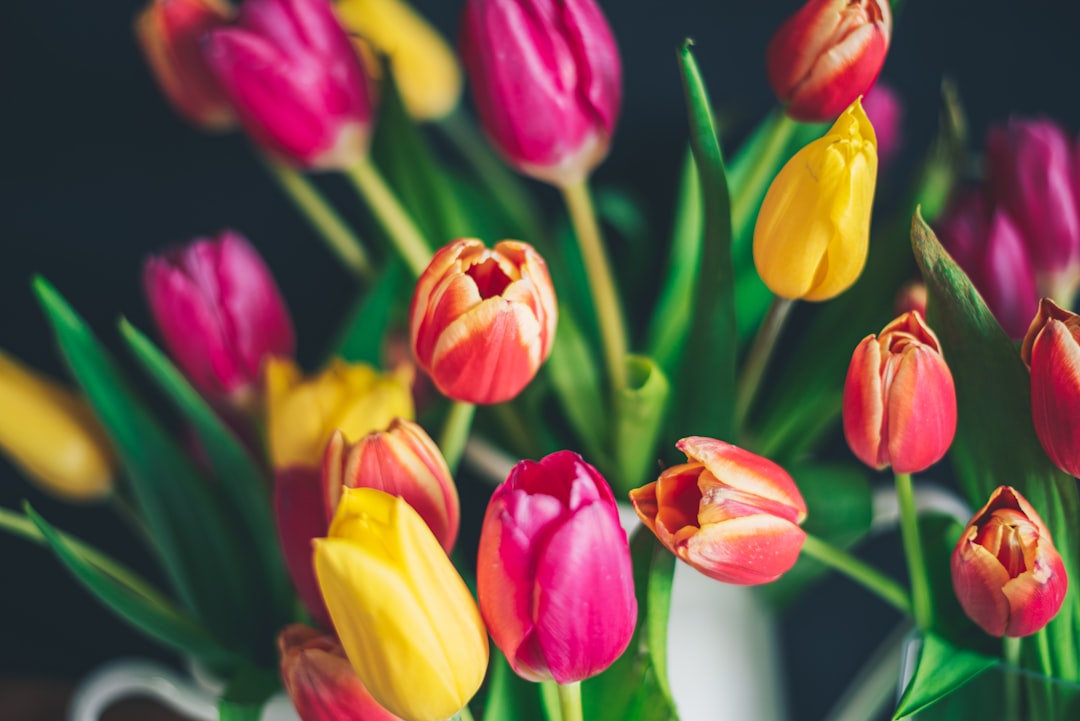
(554, 576)
(424, 66)
(296, 82)
(827, 54)
(899, 399)
(52, 435)
(1051, 349)
(729, 513)
(219, 313)
(813, 229)
(1031, 174)
(319, 680)
(911, 296)
(402, 461)
(300, 514)
(987, 244)
(1006, 572)
(546, 80)
(407, 621)
(483, 321)
(169, 33)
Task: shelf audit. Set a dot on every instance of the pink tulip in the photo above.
(546, 79)
(899, 399)
(827, 54)
(554, 578)
(220, 313)
(1007, 574)
(1051, 349)
(729, 513)
(296, 81)
(885, 109)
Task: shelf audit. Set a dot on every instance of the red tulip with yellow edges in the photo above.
(1051, 349)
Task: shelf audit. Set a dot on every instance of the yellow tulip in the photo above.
(302, 413)
(51, 434)
(408, 623)
(425, 67)
(813, 230)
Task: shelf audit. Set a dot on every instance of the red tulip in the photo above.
(1051, 349)
(546, 79)
(554, 578)
(1006, 572)
(828, 54)
(899, 398)
(483, 321)
(727, 512)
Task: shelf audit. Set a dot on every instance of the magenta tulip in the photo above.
(554, 578)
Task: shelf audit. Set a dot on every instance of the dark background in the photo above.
(97, 172)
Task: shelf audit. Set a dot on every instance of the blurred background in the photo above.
(99, 172)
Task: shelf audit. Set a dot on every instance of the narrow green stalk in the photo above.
(455, 432)
(1010, 652)
(570, 701)
(757, 359)
(744, 197)
(862, 573)
(909, 533)
(338, 236)
(601, 281)
(464, 714)
(506, 188)
(393, 218)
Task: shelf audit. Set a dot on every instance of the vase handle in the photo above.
(126, 678)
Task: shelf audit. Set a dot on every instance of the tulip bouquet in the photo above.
(322, 532)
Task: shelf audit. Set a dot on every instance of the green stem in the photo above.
(464, 714)
(744, 198)
(757, 359)
(916, 561)
(862, 573)
(601, 281)
(570, 701)
(1010, 652)
(337, 235)
(505, 186)
(455, 432)
(393, 218)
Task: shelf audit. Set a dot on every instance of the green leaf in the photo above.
(706, 407)
(670, 321)
(576, 380)
(639, 414)
(942, 668)
(635, 687)
(199, 555)
(130, 597)
(366, 326)
(995, 440)
(509, 697)
(246, 694)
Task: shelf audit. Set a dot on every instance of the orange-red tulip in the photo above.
(1051, 350)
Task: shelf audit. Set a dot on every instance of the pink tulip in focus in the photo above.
(546, 79)
(220, 313)
(554, 578)
(296, 81)
(402, 461)
(169, 33)
(320, 680)
(483, 321)
(729, 513)
(828, 54)
(1051, 349)
(899, 399)
(1007, 575)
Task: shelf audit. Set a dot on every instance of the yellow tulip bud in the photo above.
(425, 67)
(408, 623)
(51, 434)
(813, 230)
(302, 413)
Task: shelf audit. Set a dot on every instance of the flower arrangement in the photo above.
(319, 530)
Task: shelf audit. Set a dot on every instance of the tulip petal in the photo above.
(301, 518)
(920, 411)
(744, 551)
(977, 580)
(1055, 394)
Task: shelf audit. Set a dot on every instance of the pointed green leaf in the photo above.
(366, 326)
(639, 413)
(710, 353)
(941, 669)
(246, 694)
(995, 441)
(243, 481)
(199, 555)
(131, 598)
